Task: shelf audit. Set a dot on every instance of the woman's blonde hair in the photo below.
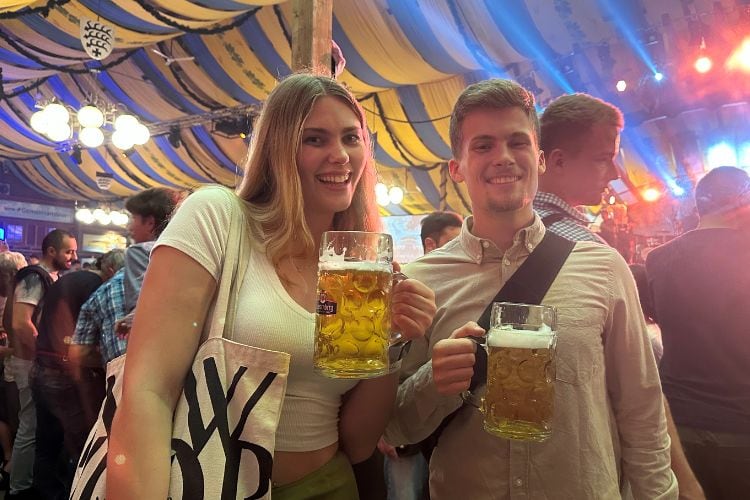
(271, 186)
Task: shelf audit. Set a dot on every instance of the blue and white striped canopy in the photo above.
(407, 61)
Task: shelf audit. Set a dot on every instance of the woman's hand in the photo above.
(413, 307)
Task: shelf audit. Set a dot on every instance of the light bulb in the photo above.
(122, 139)
(91, 137)
(59, 132)
(381, 194)
(396, 195)
(381, 189)
(39, 122)
(105, 219)
(125, 122)
(84, 215)
(140, 134)
(57, 113)
(703, 64)
(118, 218)
(90, 116)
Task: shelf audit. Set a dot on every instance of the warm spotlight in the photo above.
(740, 58)
(651, 194)
(721, 154)
(703, 64)
(621, 86)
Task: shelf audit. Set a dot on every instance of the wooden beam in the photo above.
(312, 24)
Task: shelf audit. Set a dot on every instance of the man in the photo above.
(609, 419)
(150, 212)
(58, 252)
(700, 293)
(63, 409)
(580, 140)
(438, 228)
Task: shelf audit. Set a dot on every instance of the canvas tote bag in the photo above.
(225, 421)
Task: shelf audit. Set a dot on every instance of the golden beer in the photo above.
(353, 321)
(520, 393)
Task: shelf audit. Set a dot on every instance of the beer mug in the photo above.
(520, 392)
(353, 313)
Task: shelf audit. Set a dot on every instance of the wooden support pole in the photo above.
(312, 24)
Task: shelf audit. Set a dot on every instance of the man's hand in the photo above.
(453, 360)
(413, 307)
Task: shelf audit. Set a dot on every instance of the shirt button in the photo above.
(518, 482)
(485, 244)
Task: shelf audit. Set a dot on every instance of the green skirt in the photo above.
(333, 481)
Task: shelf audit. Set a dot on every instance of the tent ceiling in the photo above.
(407, 60)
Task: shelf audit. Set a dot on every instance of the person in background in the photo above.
(59, 250)
(701, 290)
(10, 264)
(438, 228)
(609, 420)
(150, 211)
(62, 414)
(581, 139)
(33, 260)
(309, 170)
(406, 469)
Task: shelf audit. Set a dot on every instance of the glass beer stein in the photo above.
(520, 392)
(353, 317)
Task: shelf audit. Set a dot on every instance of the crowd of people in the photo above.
(309, 170)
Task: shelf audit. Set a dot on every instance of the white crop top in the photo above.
(267, 317)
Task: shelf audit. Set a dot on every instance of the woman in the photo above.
(309, 170)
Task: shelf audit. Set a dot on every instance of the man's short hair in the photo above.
(495, 93)
(571, 116)
(158, 203)
(721, 190)
(55, 239)
(434, 223)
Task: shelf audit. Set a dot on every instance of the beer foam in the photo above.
(341, 265)
(525, 339)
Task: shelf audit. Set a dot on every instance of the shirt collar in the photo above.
(482, 249)
(544, 201)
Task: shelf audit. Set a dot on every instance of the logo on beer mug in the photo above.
(325, 306)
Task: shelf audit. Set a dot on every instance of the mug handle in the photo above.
(398, 346)
(479, 378)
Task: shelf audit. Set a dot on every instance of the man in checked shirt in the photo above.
(580, 140)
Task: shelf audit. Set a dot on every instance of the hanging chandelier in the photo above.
(89, 125)
(102, 215)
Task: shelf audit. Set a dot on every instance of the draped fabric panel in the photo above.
(407, 62)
